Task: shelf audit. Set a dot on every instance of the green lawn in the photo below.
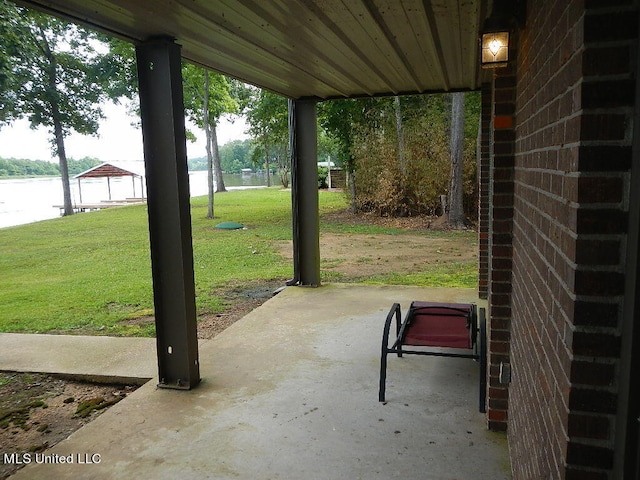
(91, 272)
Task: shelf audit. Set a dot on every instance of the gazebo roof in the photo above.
(114, 169)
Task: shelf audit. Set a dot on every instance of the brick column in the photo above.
(599, 198)
(483, 190)
(577, 73)
(501, 241)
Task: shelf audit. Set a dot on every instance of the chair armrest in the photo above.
(394, 312)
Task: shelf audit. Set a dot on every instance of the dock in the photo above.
(87, 207)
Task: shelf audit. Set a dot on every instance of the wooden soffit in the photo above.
(306, 48)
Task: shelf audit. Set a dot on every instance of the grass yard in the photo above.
(91, 274)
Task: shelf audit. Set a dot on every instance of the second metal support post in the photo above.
(304, 191)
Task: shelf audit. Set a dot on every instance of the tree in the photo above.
(340, 119)
(456, 217)
(267, 116)
(236, 155)
(400, 133)
(50, 75)
(119, 73)
(207, 96)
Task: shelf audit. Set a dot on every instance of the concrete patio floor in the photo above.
(290, 392)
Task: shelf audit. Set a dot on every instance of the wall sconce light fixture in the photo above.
(494, 44)
(495, 49)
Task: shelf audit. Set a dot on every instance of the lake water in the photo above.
(27, 200)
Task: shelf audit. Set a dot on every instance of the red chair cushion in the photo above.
(438, 327)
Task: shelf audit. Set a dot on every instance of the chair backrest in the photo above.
(447, 325)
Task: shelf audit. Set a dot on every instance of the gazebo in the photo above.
(135, 170)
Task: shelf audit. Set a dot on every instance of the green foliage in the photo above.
(197, 164)
(117, 69)
(328, 148)
(50, 72)
(366, 136)
(268, 119)
(11, 167)
(53, 75)
(234, 156)
(82, 165)
(323, 174)
(340, 120)
(19, 167)
(220, 100)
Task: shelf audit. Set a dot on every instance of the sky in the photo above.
(118, 140)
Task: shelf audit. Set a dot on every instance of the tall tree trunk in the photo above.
(266, 163)
(351, 179)
(62, 157)
(207, 131)
(283, 171)
(57, 125)
(401, 158)
(217, 166)
(456, 210)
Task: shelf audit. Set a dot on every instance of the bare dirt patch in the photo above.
(353, 257)
(240, 299)
(350, 258)
(37, 411)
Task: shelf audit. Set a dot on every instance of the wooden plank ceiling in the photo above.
(307, 48)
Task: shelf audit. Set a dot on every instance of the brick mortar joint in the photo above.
(614, 9)
(608, 299)
(592, 174)
(610, 361)
(593, 79)
(625, 142)
(592, 442)
(583, 267)
(587, 206)
(608, 43)
(615, 110)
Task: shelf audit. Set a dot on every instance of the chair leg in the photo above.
(395, 311)
(383, 377)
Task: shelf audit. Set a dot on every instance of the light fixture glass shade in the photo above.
(495, 49)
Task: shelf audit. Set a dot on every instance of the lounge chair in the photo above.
(438, 329)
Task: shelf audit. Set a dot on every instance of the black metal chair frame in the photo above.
(476, 323)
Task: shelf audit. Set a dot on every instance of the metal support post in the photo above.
(304, 192)
(165, 153)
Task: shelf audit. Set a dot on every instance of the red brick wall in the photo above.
(570, 182)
